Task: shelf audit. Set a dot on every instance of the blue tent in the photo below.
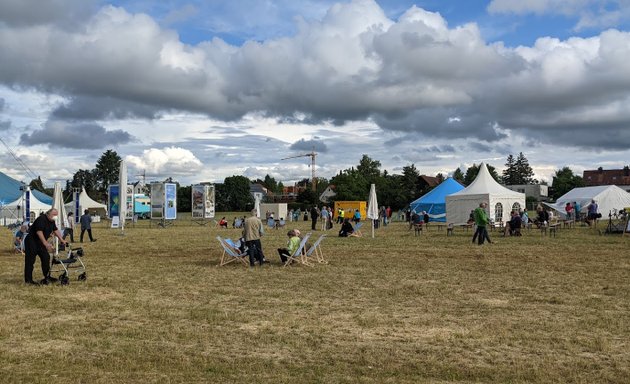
(10, 191)
(434, 202)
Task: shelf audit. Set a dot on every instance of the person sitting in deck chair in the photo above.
(513, 227)
(292, 246)
(223, 223)
(346, 228)
(19, 236)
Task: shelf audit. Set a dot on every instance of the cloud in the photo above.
(5, 125)
(169, 161)
(34, 12)
(103, 108)
(2, 102)
(63, 134)
(590, 13)
(415, 74)
(309, 145)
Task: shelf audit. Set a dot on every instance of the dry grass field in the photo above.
(156, 308)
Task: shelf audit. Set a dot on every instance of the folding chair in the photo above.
(271, 223)
(299, 255)
(316, 250)
(238, 223)
(231, 252)
(357, 230)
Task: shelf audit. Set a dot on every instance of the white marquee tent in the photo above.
(608, 198)
(501, 201)
(86, 202)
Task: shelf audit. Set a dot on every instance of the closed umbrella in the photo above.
(62, 219)
(122, 181)
(372, 210)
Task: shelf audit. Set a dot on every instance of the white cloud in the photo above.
(166, 162)
(589, 13)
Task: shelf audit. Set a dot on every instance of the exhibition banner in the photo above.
(202, 201)
(198, 201)
(209, 213)
(157, 200)
(130, 202)
(170, 212)
(113, 200)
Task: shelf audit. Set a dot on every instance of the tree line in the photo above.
(394, 190)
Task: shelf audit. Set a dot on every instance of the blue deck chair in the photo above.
(316, 251)
(357, 230)
(271, 223)
(231, 252)
(238, 223)
(299, 255)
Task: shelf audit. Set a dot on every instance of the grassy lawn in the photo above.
(393, 309)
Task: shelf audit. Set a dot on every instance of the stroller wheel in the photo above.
(63, 280)
(82, 277)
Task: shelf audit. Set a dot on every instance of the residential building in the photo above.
(600, 176)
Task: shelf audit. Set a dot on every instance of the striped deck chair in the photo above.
(299, 255)
(316, 251)
(231, 252)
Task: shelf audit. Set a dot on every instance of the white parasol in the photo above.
(122, 181)
(372, 210)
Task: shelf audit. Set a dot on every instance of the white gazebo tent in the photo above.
(609, 199)
(501, 201)
(86, 202)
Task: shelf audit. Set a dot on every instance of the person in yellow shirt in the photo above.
(292, 245)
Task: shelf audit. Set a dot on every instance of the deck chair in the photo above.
(231, 252)
(238, 223)
(271, 223)
(281, 223)
(316, 251)
(357, 230)
(299, 255)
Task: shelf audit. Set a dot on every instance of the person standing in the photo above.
(324, 216)
(36, 244)
(481, 220)
(314, 216)
(252, 232)
(69, 230)
(86, 225)
(591, 210)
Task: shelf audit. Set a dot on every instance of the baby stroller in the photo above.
(73, 261)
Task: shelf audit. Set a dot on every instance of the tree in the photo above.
(563, 181)
(510, 172)
(473, 170)
(233, 194)
(369, 169)
(458, 175)
(37, 184)
(184, 196)
(107, 169)
(410, 183)
(524, 171)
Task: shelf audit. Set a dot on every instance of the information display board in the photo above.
(170, 213)
(202, 201)
(158, 199)
(113, 200)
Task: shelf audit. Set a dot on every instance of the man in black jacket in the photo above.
(314, 217)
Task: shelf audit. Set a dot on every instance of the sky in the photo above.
(202, 90)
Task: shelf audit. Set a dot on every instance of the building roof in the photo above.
(431, 181)
(607, 177)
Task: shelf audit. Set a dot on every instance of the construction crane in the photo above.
(312, 156)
